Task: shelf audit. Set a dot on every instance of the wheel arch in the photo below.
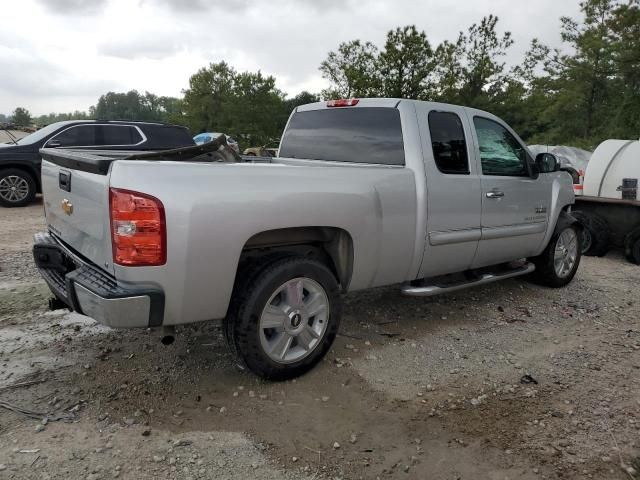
(565, 219)
(333, 245)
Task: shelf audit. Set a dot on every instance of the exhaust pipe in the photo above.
(168, 335)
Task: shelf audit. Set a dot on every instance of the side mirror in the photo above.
(53, 144)
(547, 163)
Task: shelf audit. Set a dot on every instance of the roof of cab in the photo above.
(389, 103)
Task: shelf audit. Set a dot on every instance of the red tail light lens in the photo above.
(138, 230)
(344, 102)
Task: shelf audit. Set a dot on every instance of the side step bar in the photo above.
(429, 290)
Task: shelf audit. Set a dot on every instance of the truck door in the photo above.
(453, 191)
(515, 206)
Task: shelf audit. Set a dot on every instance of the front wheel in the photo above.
(558, 263)
(284, 317)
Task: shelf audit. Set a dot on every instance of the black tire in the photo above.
(545, 273)
(252, 291)
(8, 177)
(595, 233)
(632, 246)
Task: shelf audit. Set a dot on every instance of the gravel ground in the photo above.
(506, 381)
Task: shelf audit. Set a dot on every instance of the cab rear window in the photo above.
(355, 135)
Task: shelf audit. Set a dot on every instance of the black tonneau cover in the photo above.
(98, 161)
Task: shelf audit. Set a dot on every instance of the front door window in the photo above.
(500, 152)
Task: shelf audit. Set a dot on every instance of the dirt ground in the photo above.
(412, 389)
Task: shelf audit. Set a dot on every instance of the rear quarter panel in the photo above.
(213, 209)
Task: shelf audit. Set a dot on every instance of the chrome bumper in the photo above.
(91, 291)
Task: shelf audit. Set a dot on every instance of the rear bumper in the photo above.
(91, 291)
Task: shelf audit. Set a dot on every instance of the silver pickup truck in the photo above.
(364, 193)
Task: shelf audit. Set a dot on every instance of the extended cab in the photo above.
(365, 193)
(20, 159)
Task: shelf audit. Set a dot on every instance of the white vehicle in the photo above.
(607, 200)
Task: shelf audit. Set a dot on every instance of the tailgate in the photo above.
(77, 211)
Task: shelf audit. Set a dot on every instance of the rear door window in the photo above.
(78, 136)
(356, 135)
(118, 135)
(448, 143)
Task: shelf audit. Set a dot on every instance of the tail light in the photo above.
(138, 230)
(344, 102)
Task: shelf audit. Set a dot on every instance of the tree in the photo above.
(133, 105)
(44, 120)
(483, 71)
(21, 117)
(352, 71)
(578, 96)
(245, 105)
(406, 64)
(448, 70)
(576, 87)
(625, 36)
(206, 101)
(301, 99)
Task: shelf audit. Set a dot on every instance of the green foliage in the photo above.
(406, 63)
(133, 105)
(21, 117)
(44, 120)
(579, 97)
(245, 105)
(352, 71)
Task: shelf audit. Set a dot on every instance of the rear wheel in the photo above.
(595, 233)
(632, 246)
(17, 188)
(558, 263)
(284, 318)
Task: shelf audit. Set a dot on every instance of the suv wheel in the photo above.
(558, 263)
(284, 317)
(17, 188)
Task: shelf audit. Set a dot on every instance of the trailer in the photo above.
(607, 202)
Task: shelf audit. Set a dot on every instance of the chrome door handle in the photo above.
(495, 194)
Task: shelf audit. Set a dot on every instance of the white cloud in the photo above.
(75, 50)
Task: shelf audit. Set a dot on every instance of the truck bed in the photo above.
(99, 161)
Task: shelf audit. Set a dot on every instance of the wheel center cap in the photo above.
(296, 319)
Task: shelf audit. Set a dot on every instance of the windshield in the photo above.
(39, 135)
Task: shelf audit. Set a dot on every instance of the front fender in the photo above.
(562, 197)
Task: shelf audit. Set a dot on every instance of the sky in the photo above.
(61, 55)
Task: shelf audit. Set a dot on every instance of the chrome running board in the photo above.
(429, 290)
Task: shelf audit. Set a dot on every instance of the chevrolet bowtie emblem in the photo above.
(67, 206)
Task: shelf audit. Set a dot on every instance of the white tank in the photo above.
(613, 168)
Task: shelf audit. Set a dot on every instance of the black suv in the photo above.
(20, 160)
